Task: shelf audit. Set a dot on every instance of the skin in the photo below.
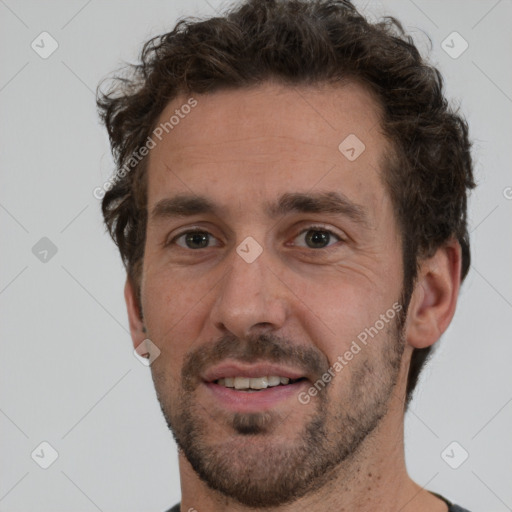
(241, 149)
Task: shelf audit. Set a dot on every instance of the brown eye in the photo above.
(318, 238)
(192, 240)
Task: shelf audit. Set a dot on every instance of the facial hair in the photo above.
(253, 463)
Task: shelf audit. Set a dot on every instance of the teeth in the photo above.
(253, 382)
(274, 381)
(242, 382)
(259, 383)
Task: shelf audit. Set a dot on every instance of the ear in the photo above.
(435, 296)
(137, 328)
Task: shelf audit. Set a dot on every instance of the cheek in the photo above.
(335, 312)
(174, 310)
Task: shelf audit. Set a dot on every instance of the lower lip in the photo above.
(254, 401)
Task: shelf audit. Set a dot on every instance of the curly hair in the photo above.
(428, 172)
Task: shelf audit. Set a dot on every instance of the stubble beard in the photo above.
(258, 464)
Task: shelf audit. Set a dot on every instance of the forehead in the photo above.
(270, 139)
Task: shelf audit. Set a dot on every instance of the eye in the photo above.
(193, 239)
(318, 237)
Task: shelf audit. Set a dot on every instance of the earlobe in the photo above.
(435, 296)
(137, 327)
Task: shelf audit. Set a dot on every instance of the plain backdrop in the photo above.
(68, 376)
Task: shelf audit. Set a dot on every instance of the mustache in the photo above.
(254, 348)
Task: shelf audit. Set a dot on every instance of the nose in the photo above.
(250, 297)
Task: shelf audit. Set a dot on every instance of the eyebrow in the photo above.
(187, 205)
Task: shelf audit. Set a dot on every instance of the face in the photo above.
(272, 284)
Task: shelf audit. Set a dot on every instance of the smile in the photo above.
(254, 383)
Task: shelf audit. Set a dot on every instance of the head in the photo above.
(245, 120)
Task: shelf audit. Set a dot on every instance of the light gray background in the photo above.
(68, 375)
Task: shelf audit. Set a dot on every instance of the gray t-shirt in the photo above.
(451, 506)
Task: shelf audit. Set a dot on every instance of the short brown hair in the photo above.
(299, 42)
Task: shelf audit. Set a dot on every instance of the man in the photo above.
(290, 205)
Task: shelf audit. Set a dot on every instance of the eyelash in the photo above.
(309, 228)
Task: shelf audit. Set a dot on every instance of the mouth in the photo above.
(254, 384)
(253, 388)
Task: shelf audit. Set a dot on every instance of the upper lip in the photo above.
(224, 370)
